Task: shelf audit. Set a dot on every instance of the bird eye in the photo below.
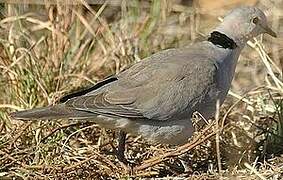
(255, 20)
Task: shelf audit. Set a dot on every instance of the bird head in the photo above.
(245, 23)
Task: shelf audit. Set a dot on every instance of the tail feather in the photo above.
(52, 112)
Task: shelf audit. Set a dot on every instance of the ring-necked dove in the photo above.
(155, 98)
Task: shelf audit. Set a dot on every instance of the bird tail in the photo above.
(52, 112)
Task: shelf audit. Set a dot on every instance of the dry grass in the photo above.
(49, 50)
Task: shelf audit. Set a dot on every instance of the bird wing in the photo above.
(165, 85)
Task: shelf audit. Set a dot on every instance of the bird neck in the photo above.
(233, 31)
(219, 39)
(228, 51)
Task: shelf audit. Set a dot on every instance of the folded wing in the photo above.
(159, 88)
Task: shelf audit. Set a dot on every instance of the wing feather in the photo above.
(159, 87)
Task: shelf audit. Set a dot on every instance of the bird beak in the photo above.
(269, 31)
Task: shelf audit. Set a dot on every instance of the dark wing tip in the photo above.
(87, 90)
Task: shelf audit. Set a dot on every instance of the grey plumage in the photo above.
(156, 97)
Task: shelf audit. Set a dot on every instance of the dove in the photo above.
(156, 97)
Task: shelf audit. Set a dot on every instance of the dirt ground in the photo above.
(51, 48)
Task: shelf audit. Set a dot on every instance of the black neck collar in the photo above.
(222, 40)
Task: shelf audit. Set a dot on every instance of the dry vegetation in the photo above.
(48, 50)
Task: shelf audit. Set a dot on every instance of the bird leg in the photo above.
(121, 147)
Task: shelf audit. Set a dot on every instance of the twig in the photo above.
(69, 168)
(12, 160)
(107, 161)
(82, 129)
(20, 134)
(254, 171)
(11, 106)
(240, 99)
(217, 141)
(59, 128)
